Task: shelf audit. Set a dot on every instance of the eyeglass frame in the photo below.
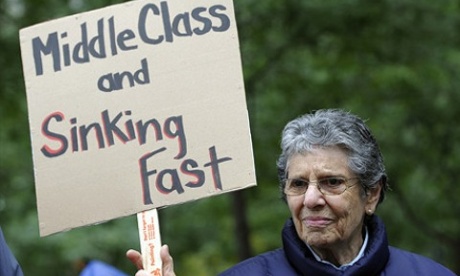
(317, 184)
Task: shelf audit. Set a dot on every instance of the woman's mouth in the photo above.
(317, 221)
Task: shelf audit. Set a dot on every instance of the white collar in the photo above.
(344, 266)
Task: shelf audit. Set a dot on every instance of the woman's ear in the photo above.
(372, 198)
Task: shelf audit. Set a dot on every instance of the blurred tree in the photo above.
(394, 62)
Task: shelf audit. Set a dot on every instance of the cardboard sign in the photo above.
(133, 107)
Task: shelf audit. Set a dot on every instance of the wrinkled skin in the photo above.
(332, 225)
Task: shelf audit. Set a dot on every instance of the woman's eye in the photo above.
(298, 183)
(333, 181)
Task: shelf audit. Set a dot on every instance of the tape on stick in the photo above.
(150, 241)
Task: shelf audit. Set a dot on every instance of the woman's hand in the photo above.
(168, 266)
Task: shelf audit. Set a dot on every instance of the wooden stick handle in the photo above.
(150, 240)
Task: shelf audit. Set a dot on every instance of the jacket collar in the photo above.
(374, 260)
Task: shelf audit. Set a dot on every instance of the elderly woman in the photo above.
(332, 178)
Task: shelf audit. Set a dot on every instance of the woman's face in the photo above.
(322, 221)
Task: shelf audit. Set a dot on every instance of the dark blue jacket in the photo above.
(8, 264)
(379, 259)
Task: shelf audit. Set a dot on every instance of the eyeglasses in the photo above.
(327, 186)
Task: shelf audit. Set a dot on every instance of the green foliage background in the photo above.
(393, 62)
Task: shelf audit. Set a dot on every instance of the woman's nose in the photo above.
(313, 197)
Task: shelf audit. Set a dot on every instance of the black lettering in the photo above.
(111, 128)
(106, 83)
(119, 77)
(143, 21)
(145, 173)
(51, 47)
(80, 52)
(84, 130)
(207, 24)
(214, 164)
(142, 76)
(182, 20)
(177, 132)
(166, 21)
(142, 130)
(74, 135)
(186, 167)
(225, 21)
(112, 82)
(174, 182)
(113, 44)
(98, 40)
(130, 126)
(123, 37)
(66, 51)
(61, 139)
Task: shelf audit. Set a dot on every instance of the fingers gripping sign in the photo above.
(167, 262)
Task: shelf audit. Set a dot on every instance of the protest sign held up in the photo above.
(133, 107)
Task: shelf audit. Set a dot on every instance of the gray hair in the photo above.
(334, 127)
